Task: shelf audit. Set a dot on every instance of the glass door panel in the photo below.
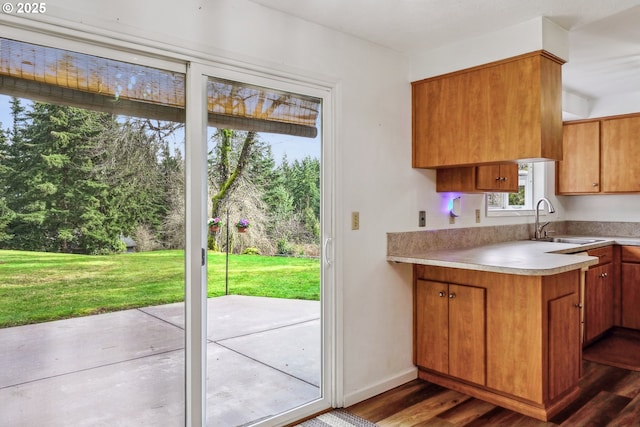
(91, 240)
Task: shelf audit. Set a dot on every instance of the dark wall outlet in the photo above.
(422, 219)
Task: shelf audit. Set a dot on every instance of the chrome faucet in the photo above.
(539, 227)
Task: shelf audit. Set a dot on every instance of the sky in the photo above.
(295, 148)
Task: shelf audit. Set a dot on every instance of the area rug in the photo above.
(337, 418)
(620, 349)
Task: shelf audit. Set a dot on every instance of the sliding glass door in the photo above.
(259, 218)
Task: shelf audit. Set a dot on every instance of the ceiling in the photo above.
(604, 49)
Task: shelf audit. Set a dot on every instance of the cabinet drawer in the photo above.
(605, 254)
(631, 253)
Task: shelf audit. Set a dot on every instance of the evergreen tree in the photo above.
(6, 214)
(56, 201)
(302, 180)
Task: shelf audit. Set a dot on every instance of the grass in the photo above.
(39, 287)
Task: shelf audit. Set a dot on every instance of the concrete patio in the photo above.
(127, 368)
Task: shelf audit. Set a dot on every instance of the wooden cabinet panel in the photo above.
(598, 304)
(467, 342)
(564, 338)
(456, 179)
(498, 112)
(579, 170)
(630, 253)
(500, 178)
(450, 329)
(514, 337)
(478, 179)
(432, 325)
(630, 282)
(604, 254)
(620, 151)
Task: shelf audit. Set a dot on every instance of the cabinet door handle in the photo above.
(595, 184)
(498, 178)
(604, 275)
(578, 305)
(452, 295)
(442, 294)
(504, 178)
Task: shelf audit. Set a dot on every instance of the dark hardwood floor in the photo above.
(609, 397)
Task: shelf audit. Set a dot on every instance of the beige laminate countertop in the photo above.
(524, 257)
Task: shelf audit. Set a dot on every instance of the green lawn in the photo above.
(38, 287)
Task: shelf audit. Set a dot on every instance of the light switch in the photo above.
(355, 220)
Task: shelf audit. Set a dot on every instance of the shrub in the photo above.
(284, 247)
(251, 251)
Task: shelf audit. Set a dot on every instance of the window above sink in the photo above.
(531, 182)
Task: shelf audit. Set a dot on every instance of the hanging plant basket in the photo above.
(214, 224)
(242, 225)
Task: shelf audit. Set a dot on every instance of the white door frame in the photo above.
(196, 190)
(196, 247)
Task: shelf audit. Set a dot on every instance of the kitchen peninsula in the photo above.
(501, 322)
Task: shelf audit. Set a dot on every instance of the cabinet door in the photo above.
(579, 170)
(630, 278)
(432, 325)
(620, 151)
(502, 178)
(564, 338)
(467, 339)
(598, 304)
(456, 179)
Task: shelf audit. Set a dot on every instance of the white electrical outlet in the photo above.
(477, 216)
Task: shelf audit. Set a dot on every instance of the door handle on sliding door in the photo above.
(327, 257)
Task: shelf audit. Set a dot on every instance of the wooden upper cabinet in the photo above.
(499, 178)
(579, 170)
(600, 156)
(478, 179)
(499, 112)
(620, 154)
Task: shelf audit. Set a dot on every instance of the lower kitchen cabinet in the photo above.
(599, 295)
(630, 284)
(450, 335)
(564, 372)
(526, 328)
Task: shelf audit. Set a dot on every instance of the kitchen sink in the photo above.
(575, 240)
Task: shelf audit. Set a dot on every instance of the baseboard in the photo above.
(380, 387)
